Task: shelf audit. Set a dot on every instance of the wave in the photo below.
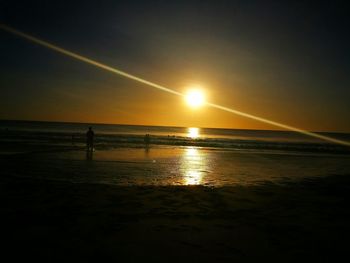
(35, 139)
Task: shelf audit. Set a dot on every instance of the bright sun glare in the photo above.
(195, 98)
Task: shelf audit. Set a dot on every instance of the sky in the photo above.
(288, 61)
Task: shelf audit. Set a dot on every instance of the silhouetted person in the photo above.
(90, 140)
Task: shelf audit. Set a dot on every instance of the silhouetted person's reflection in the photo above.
(89, 155)
(147, 140)
(90, 140)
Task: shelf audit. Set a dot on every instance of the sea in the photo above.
(174, 155)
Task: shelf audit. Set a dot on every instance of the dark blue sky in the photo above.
(284, 60)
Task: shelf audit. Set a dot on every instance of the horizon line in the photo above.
(172, 126)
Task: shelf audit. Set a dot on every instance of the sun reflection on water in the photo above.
(192, 178)
(193, 132)
(193, 166)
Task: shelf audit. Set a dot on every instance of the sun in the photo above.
(195, 98)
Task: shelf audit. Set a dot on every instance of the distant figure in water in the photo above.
(147, 140)
(90, 140)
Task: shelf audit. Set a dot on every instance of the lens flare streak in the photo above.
(154, 85)
(85, 59)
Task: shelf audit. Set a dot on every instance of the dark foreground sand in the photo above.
(50, 220)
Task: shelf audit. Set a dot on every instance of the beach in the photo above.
(172, 203)
(50, 220)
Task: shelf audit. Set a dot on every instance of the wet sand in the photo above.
(54, 221)
(173, 166)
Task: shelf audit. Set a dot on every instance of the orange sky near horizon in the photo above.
(147, 106)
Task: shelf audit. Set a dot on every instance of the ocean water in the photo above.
(175, 156)
(109, 136)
